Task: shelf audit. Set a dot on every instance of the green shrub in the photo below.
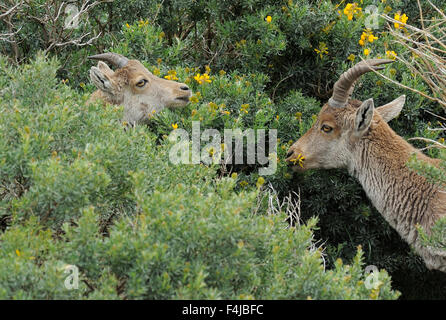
(109, 202)
(272, 74)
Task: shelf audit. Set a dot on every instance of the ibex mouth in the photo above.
(184, 98)
(295, 162)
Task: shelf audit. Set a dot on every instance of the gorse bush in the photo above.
(79, 182)
(108, 201)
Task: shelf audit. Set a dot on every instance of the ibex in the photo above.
(354, 135)
(140, 92)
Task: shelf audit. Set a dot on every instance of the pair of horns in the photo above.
(343, 88)
(114, 59)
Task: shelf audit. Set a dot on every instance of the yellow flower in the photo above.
(268, 19)
(298, 115)
(213, 106)
(244, 108)
(402, 19)
(211, 151)
(391, 54)
(156, 71)
(18, 253)
(371, 38)
(260, 182)
(322, 49)
(243, 183)
(127, 25)
(351, 9)
(367, 36)
(202, 78)
(299, 159)
(171, 75)
(175, 126)
(366, 52)
(351, 57)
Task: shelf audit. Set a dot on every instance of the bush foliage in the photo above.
(77, 189)
(109, 202)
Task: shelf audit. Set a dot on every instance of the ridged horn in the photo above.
(115, 59)
(343, 88)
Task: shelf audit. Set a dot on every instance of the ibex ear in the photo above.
(101, 80)
(364, 116)
(105, 68)
(392, 109)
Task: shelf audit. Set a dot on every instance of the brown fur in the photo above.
(377, 158)
(140, 103)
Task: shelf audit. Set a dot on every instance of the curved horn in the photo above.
(115, 59)
(343, 88)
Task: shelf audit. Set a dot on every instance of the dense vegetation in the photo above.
(78, 189)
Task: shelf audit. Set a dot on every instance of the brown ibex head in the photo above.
(133, 86)
(341, 123)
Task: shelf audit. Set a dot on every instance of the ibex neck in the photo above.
(399, 194)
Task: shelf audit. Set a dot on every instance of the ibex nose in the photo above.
(185, 88)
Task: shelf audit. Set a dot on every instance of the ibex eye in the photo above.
(141, 83)
(326, 128)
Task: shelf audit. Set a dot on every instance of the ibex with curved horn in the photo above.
(133, 86)
(354, 135)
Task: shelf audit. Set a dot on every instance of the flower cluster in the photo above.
(391, 54)
(298, 160)
(171, 75)
(196, 97)
(352, 9)
(402, 19)
(244, 108)
(367, 36)
(321, 49)
(142, 23)
(202, 78)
